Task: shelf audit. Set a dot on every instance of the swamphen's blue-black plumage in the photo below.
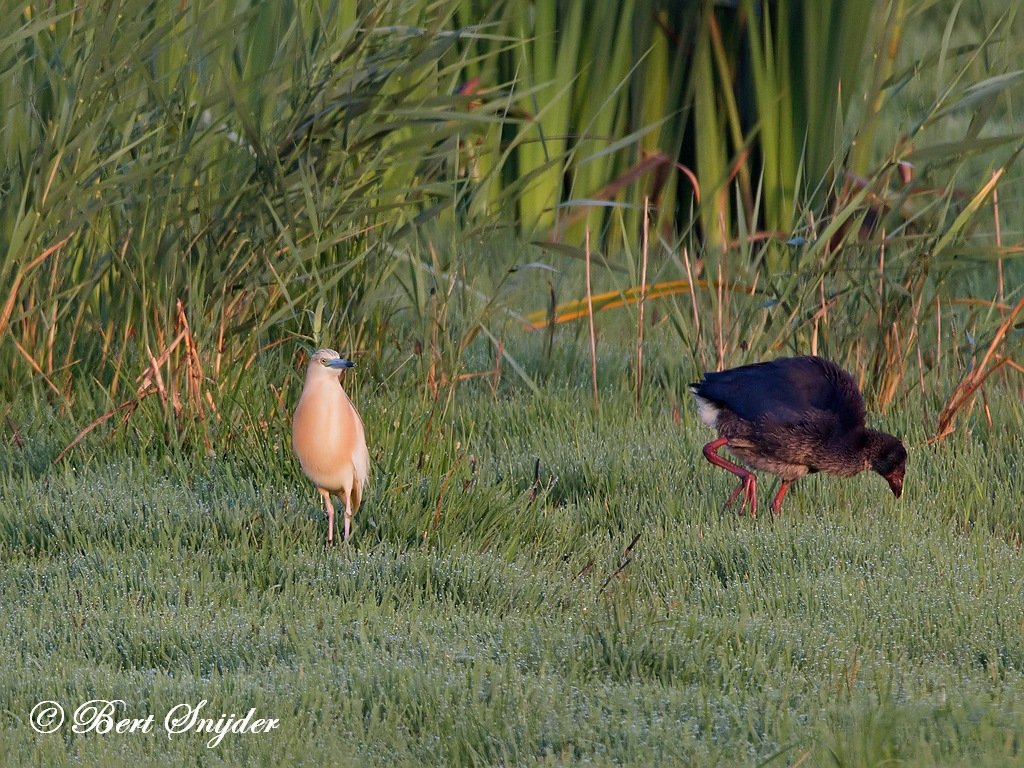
(791, 417)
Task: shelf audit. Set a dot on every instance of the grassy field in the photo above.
(195, 196)
(611, 617)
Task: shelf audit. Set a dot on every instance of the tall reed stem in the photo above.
(643, 297)
(590, 320)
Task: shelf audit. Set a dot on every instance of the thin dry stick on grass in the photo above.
(15, 434)
(975, 378)
(535, 488)
(590, 320)
(626, 560)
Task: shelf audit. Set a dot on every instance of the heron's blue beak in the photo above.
(340, 362)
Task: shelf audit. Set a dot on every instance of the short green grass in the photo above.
(473, 622)
(528, 583)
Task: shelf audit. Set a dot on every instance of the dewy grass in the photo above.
(529, 581)
(855, 629)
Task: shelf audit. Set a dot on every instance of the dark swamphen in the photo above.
(791, 417)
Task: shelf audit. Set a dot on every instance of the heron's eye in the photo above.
(324, 363)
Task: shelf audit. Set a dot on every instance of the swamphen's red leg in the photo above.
(777, 501)
(748, 484)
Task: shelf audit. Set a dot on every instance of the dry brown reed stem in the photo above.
(920, 357)
(193, 368)
(650, 163)
(552, 319)
(12, 296)
(498, 355)
(999, 240)
(151, 381)
(194, 376)
(494, 374)
(133, 403)
(696, 309)
(220, 330)
(35, 367)
(881, 283)
(577, 309)
(154, 375)
(984, 405)
(590, 320)
(975, 378)
(54, 307)
(444, 487)
(720, 342)
(643, 297)
(260, 350)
